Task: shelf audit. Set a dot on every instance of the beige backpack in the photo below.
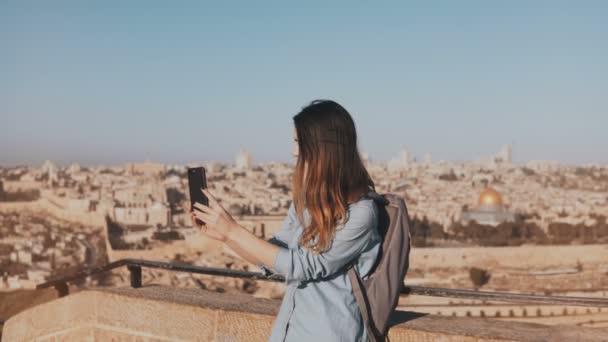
(378, 294)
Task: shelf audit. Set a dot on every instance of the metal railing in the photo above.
(135, 266)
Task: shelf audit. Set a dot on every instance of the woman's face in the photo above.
(296, 150)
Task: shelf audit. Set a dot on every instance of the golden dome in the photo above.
(490, 196)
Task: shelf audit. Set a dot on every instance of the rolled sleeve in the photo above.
(282, 236)
(281, 260)
(301, 264)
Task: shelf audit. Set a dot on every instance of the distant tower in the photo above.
(51, 170)
(243, 160)
(365, 159)
(427, 159)
(505, 154)
(74, 168)
(405, 157)
(402, 161)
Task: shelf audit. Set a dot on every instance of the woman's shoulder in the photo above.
(363, 209)
(364, 203)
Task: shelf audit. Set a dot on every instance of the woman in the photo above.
(328, 225)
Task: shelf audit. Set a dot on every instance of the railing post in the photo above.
(135, 271)
(62, 289)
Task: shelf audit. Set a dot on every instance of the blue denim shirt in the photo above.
(319, 304)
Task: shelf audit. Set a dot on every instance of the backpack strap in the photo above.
(377, 197)
(362, 301)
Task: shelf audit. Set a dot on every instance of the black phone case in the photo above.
(197, 179)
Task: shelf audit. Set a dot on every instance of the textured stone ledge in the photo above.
(160, 313)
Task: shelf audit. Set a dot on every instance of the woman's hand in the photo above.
(219, 225)
(217, 222)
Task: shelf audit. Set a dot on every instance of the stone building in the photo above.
(490, 210)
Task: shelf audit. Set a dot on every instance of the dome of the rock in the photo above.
(490, 196)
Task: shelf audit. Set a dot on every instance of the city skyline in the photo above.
(243, 159)
(109, 84)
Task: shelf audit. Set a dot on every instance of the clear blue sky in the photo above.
(115, 82)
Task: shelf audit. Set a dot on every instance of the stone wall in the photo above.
(522, 257)
(159, 313)
(89, 219)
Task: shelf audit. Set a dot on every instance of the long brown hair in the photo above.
(329, 173)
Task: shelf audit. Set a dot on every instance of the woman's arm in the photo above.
(294, 263)
(252, 248)
(302, 264)
(280, 238)
(219, 225)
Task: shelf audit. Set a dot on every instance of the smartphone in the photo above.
(197, 179)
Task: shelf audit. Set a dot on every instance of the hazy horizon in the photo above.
(118, 163)
(110, 83)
